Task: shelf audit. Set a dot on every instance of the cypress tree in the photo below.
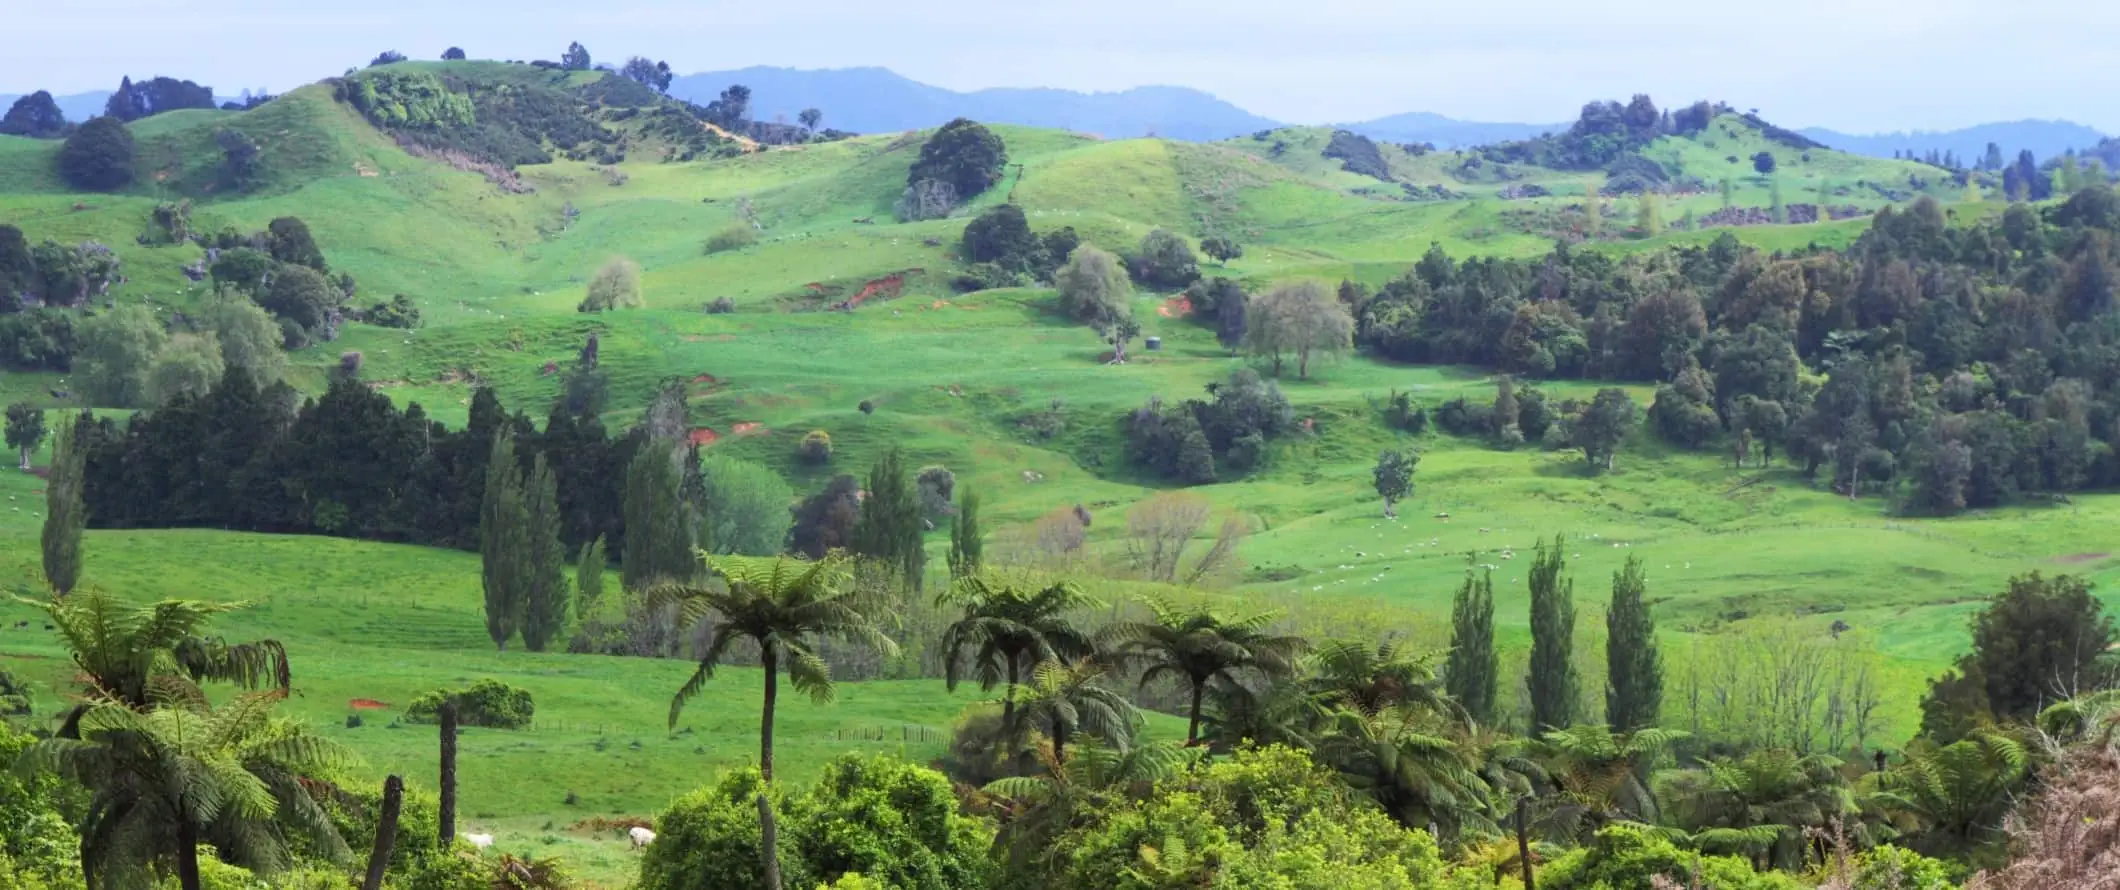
(889, 528)
(1635, 691)
(965, 542)
(503, 541)
(1471, 672)
(65, 514)
(1553, 680)
(659, 531)
(544, 566)
(589, 581)
(1779, 210)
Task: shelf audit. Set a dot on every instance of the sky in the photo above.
(1859, 66)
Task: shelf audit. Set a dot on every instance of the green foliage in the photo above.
(616, 286)
(711, 838)
(1472, 671)
(890, 528)
(737, 236)
(116, 351)
(1201, 648)
(545, 592)
(1602, 425)
(1008, 628)
(412, 100)
(25, 429)
(248, 337)
(287, 238)
(36, 116)
(98, 157)
(661, 528)
(1002, 236)
(188, 367)
(504, 542)
(1555, 690)
(1163, 262)
(38, 846)
(71, 275)
(1630, 855)
(18, 271)
(966, 543)
(1303, 319)
(747, 507)
(486, 702)
(1634, 671)
(1222, 248)
(1093, 286)
(2035, 641)
(1888, 866)
(889, 820)
(1393, 476)
(967, 156)
(400, 313)
(304, 301)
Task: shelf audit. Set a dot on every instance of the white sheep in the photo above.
(481, 841)
(641, 836)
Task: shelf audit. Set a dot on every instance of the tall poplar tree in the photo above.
(65, 513)
(589, 581)
(965, 541)
(503, 541)
(544, 568)
(1634, 670)
(1553, 680)
(889, 529)
(661, 529)
(1472, 670)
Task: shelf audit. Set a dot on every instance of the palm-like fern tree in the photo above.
(1202, 648)
(1371, 678)
(784, 605)
(1422, 769)
(1777, 789)
(1073, 793)
(1009, 628)
(1952, 797)
(1068, 698)
(1595, 776)
(138, 656)
(166, 780)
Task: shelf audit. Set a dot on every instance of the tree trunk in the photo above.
(448, 816)
(187, 854)
(1523, 840)
(769, 660)
(1008, 699)
(768, 843)
(1060, 733)
(1192, 730)
(385, 833)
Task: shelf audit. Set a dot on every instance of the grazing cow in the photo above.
(641, 836)
(481, 841)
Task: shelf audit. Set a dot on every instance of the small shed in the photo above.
(1155, 344)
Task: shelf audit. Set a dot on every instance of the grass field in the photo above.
(498, 276)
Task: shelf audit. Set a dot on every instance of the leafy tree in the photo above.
(35, 116)
(248, 337)
(1684, 410)
(386, 57)
(890, 528)
(167, 780)
(287, 238)
(1763, 162)
(504, 542)
(1202, 648)
(576, 58)
(65, 513)
(1002, 236)
(746, 507)
(661, 528)
(1472, 671)
(1093, 286)
(655, 75)
(1222, 248)
(1163, 261)
(1394, 477)
(825, 521)
(1597, 776)
(713, 837)
(136, 657)
(810, 118)
(963, 154)
(25, 430)
(1648, 217)
(1602, 425)
(114, 353)
(98, 157)
(453, 54)
(783, 605)
(1007, 629)
(1552, 680)
(2036, 643)
(732, 109)
(303, 300)
(966, 543)
(589, 581)
(189, 366)
(1634, 672)
(1302, 318)
(616, 286)
(545, 593)
(18, 271)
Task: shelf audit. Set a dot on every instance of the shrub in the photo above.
(1631, 855)
(1357, 154)
(1093, 286)
(711, 837)
(1164, 261)
(866, 407)
(937, 487)
(99, 156)
(721, 306)
(737, 236)
(488, 703)
(398, 313)
(963, 155)
(616, 286)
(816, 447)
(892, 821)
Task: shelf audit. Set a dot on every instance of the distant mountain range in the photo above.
(877, 100)
(2045, 139)
(1446, 132)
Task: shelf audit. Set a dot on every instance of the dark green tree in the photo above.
(1201, 648)
(98, 157)
(1393, 476)
(18, 271)
(35, 116)
(1553, 682)
(289, 241)
(504, 542)
(661, 529)
(890, 527)
(65, 513)
(25, 429)
(1222, 248)
(545, 593)
(1006, 630)
(1763, 162)
(967, 156)
(301, 297)
(453, 54)
(966, 543)
(576, 58)
(1002, 236)
(1634, 670)
(2037, 643)
(1602, 425)
(1163, 261)
(1472, 671)
(810, 118)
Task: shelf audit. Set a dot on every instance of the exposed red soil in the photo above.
(1175, 307)
(703, 436)
(749, 429)
(707, 379)
(368, 704)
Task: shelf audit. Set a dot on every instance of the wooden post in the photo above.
(768, 842)
(385, 833)
(1523, 839)
(448, 773)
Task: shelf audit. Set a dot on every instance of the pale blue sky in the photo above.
(1856, 65)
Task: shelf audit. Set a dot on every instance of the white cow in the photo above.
(481, 841)
(641, 836)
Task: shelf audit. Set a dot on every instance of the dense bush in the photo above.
(1630, 855)
(400, 312)
(1187, 441)
(1357, 154)
(736, 236)
(37, 340)
(1163, 261)
(488, 702)
(98, 157)
(963, 154)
